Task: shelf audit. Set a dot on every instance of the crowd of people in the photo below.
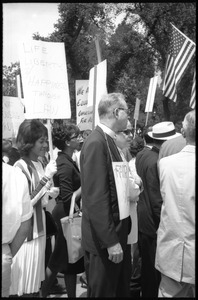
(147, 252)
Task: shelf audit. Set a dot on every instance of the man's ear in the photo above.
(183, 132)
(115, 112)
(67, 143)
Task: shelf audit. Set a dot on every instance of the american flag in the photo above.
(180, 52)
(193, 92)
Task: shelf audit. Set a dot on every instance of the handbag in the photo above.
(51, 226)
(71, 226)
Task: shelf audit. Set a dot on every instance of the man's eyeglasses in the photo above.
(127, 131)
(125, 109)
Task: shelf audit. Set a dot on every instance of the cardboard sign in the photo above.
(121, 176)
(13, 116)
(45, 80)
(84, 114)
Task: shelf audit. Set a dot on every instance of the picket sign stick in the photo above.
(50, 139)
(18, 86)
(147, 118)
(95, 80)
(98, 50)
(135, 128)
(94, 96)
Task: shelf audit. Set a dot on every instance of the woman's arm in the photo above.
(20, 236)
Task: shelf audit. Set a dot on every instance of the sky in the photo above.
(21, 20)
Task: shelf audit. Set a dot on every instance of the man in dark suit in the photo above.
(104, 235)
(149, 206)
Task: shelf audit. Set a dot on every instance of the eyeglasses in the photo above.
(75, 137)
(125, 109)
(127, 131)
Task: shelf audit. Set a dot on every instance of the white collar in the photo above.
(108, 131)
(189, 148)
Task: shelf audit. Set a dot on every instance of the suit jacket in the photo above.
(172, 146)
(67, 178)
(150, 200)
(101, 226)
(175, 255)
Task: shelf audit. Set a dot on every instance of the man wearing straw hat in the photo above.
(149, 206)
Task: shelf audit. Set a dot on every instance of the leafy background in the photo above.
(135, 49)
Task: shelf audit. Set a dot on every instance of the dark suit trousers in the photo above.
(105, 278)
(150, 277)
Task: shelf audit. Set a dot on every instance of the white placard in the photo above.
(151, 94)
(13, 116)
(84, 114)
(121, 175)
(137, 109)
(44, 80)
(101, 86)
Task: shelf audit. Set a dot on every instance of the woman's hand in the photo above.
(54, 192)
(51, 169)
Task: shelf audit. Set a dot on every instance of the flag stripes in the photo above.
(193, 92)
(180, 53)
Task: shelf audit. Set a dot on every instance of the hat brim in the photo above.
(164, 138)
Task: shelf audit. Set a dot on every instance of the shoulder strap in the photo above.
(19, 164)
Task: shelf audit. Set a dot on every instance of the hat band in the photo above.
(165, 134)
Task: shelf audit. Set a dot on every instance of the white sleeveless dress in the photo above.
(28, 267)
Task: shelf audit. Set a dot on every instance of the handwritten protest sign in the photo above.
(44, 79)
(84, 114)
(13, 116)
(121, 175)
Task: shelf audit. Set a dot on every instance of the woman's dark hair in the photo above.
(29, 132)
(136, 145)
(64, 133)
(6, 145)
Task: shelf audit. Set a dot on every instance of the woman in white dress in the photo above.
(28, 267)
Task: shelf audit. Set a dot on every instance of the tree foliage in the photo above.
(135, 49)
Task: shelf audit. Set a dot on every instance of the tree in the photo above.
(9, 79)
(134, 50)
(155, 19)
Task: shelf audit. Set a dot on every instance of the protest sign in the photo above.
(137, 109)
(151, 94)
(44, 79)
(13, 116)
(121, 176)
(84, 114)
(97, 88)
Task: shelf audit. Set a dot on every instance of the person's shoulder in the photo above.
(169, 160)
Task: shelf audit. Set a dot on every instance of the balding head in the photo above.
(188, 130)
(113, 111)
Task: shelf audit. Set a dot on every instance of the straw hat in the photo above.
(163, 131)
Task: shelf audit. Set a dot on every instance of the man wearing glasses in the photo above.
(104, 235)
